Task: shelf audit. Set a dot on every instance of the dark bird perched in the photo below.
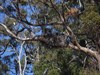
(68, 39)
(82, 43)
(10, 8)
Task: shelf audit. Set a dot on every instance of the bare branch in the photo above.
(25, 63)
(43, 24)
(2, 52)
(83, 49)
(19, 59)
(45, 71)
(75, 44)
(73, 36)
(60, 16)
(13, 35)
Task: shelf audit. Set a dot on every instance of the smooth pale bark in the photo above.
(75, 45)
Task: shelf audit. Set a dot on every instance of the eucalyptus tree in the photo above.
(54, 23)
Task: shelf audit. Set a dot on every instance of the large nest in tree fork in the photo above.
(54, 40)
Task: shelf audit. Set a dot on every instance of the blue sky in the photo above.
(29, 13)
(2, 17)
(19, 26)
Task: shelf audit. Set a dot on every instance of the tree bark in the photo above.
(98, 59)
(74, 45)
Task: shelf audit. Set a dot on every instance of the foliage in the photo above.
(3, 68)
(58, 62)
(29, 19)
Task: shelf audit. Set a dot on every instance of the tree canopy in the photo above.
(49, 37)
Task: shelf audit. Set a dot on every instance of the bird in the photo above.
(82, 43)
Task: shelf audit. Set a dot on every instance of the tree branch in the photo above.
(60, 16)
(13, 35)
(43, 39)
(25, 63)
(19, 59)
(83, 49)
(43, 24)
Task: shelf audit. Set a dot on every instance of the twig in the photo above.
(60, 16)
(25, 63)
(45, 71)
(19, 58)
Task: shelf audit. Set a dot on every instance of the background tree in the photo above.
(51, 31)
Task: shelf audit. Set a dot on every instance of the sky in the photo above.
(28, 17)
(2, 37)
